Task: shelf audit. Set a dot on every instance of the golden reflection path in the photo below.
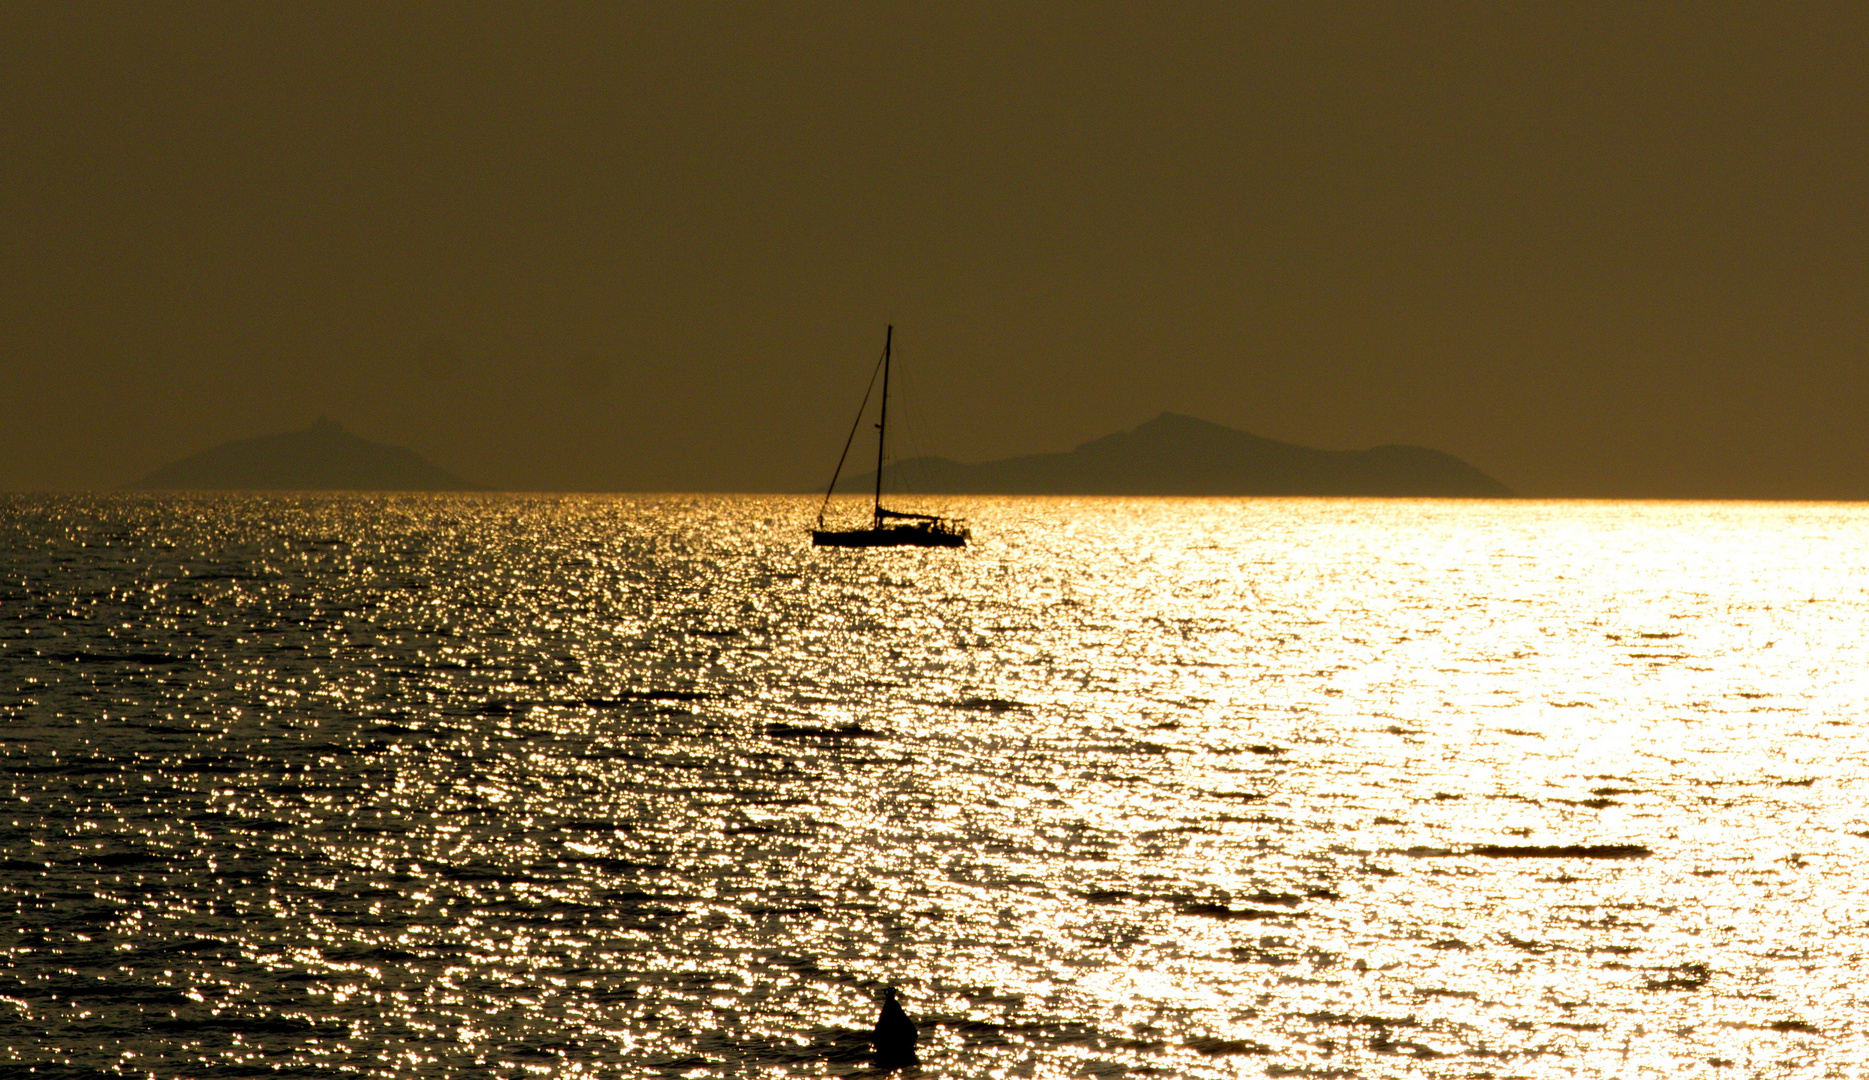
(515, 786)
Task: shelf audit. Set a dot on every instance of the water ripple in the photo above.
(506, 786)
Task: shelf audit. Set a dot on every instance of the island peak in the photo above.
(321, 457)
(1175, 454)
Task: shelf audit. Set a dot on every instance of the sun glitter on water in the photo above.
(468, 786)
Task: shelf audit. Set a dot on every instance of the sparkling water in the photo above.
(426, 786)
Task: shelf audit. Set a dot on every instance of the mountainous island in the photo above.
(322, 457)
(1179, 455)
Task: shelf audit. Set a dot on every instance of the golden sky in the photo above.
(1592, 248)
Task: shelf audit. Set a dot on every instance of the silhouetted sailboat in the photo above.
(888, 528)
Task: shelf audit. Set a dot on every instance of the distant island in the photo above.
(1179, 455)
(322, 457)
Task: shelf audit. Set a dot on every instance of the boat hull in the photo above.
(896, 537)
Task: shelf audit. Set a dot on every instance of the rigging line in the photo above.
(912, 476)
(852, 437)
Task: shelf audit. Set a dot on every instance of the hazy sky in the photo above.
(1594, 249)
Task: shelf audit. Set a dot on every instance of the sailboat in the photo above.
(888, 528)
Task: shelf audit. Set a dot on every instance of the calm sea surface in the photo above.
(508, 786)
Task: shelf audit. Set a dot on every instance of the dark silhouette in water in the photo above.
(894, 1038)
(323, 457)
(1179, 455)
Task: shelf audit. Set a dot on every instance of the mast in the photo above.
(882, 421)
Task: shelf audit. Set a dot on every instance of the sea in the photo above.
(581, 786)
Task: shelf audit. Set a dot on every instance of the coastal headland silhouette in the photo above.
(1169, 455)
(322, 457)
(1180, 455)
